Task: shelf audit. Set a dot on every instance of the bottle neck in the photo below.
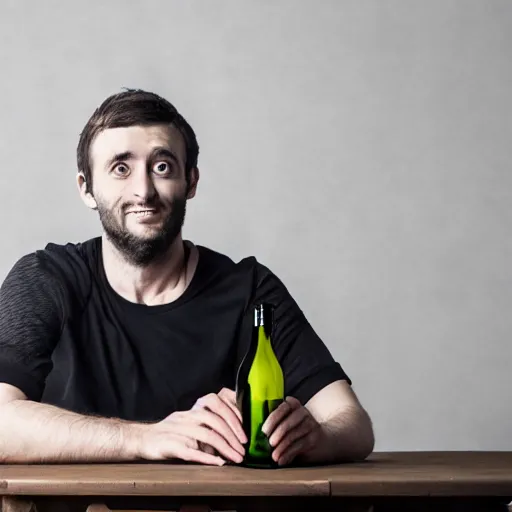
(263, 338)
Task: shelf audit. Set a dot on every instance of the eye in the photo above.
(162, 168)
(121, 170)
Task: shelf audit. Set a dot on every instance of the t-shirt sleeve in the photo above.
(31, 319)
(307, 363)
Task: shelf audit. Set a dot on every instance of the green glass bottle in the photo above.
(260, 388)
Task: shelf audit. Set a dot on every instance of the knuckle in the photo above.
(200, 413)
(177, 416)
(296, 435)
(293, 402)
(308, 426)
(211, 399)
(227, 394)
(192, 443)
(212, 437)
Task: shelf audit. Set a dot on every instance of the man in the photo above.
(126, 346)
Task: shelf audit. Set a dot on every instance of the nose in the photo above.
(142, 185)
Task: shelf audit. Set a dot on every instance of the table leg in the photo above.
(14, 504)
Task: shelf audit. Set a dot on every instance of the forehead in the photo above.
(140, 140)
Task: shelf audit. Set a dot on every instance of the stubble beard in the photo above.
(137, 250)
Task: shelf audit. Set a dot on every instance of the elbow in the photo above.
(364, 450)
(350, 440)
(366, 443)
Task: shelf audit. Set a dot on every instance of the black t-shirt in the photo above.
(68, 339)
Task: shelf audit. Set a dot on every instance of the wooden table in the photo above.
(462, 481)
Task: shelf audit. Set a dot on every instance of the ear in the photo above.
(87, 197)
(192, 185)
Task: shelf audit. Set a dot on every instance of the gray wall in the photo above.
(373, 139)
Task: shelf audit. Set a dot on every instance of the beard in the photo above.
(142, 250)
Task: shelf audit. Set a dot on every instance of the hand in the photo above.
(209, 433)
(228, 396)
(292, 431)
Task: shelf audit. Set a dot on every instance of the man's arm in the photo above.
(332, 427)
(31, 432)
(34, 303)
(346, 431)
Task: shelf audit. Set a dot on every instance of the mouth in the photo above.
(142, 213)
(145, 216)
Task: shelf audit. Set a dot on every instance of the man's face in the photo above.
(140, 188)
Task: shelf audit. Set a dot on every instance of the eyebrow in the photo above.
(120, 157)
(157, 152)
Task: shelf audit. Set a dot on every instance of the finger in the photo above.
(187, 449)
(228, 394)
(222, 409)
(214, 439)
(220, 405)
(238, 414)
(304, 429)
(277, 416)
(229, 397)
(301, 446)
(295, 449)
(185, 419)
(206, 448)
(291, 422)
(219, 425)
(193, 455)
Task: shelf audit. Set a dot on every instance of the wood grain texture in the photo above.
(383, 474)
(158, 480)
(426, 474)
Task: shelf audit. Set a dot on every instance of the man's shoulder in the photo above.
(248, 269)
(220, 263)
(66, 265)
(71, 257)
(254, 280)
(70, 253)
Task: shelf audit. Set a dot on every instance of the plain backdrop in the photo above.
(361, 149)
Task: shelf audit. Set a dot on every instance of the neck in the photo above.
(160, 282)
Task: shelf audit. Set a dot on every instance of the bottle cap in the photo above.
(263, 315)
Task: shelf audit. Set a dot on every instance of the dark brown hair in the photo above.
(134, 107)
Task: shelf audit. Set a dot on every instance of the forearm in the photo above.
(348, 436)
(32, 432)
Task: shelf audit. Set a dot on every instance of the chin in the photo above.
(146, 231)
(147, 236)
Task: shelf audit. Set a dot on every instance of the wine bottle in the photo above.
(260, 388)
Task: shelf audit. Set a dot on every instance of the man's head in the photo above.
(137, 165)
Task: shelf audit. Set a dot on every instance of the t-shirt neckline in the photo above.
(145, 308)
